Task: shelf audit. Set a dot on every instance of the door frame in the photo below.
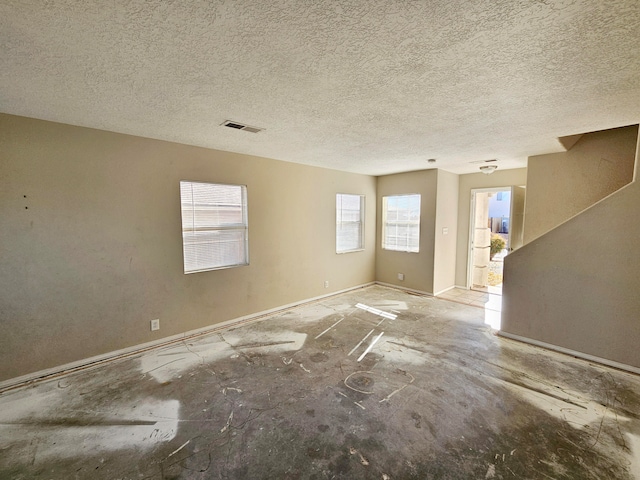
(472, 215)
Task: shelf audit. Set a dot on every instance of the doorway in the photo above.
(495, 230)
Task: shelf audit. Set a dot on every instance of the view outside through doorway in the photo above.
(499, 205)
(491, 239)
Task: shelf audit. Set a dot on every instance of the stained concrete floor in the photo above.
(438, 396)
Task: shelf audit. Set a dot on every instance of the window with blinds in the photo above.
(349, 223)
(214, 226)
(401, 223)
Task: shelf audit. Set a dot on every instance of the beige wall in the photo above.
(499, 178)
(417, 267)
(94, 251)
(576, 287)
(560, 185)
(444, 258)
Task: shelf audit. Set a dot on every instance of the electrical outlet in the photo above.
(155, 324)
(401, 276)
(326, 284)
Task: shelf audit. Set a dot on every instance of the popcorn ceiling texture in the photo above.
(368, 86)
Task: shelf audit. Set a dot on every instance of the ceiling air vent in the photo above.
(484, 161)
(241, 126)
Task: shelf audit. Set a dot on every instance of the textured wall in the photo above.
(444, 255)
(560, 185)
(417, 267)
(577, 286)
(90, 233)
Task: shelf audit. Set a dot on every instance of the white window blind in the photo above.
(349, 222)
(214, 226)
(401, 223)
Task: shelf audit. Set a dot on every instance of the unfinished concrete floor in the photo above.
(438, 396)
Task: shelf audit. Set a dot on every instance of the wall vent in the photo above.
(241, 126)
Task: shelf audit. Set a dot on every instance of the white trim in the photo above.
(573, 353)
(472, 222)
(97, 360)
(399, 287)
(383, 226)
(363, 203)
(636, 164)
(472, 216)
(445, 290)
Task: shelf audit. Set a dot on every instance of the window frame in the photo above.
(241, 227)
(360, 222)
(408, 223)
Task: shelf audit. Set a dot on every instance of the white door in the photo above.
(480, 240)
(516, 229)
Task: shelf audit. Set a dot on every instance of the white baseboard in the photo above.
(399, 287)
(573, 353)
(445, 290)
(97, 360)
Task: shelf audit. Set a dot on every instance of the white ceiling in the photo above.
(368, 86)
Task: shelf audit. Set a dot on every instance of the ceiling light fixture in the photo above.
(431, 160)
(488, 169)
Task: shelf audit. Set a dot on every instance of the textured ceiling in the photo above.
(368, 86)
